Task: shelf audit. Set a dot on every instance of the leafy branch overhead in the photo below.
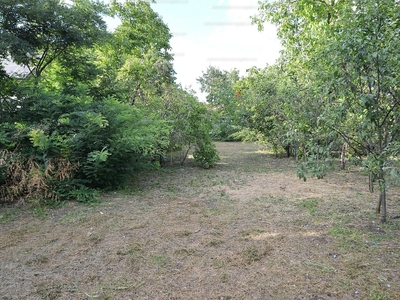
(35, 33)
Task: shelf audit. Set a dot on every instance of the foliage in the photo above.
(135, 62)
(342, 57)
(206, 154)
(97, 107)
(190, 122)
(221, 95)
(261, 114)
(37, 32)
(103, 141)
(25, 178)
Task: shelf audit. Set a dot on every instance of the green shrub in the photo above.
(61, 142)
(206, 154)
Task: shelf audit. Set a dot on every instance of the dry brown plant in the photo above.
(26, 179)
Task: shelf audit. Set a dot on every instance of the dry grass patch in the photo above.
(246, 229)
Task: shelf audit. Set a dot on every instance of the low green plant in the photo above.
(375, 295)
(40, 211)
(338, 231)
(7, 214)
(310, 204)
(84, 194)
(159, 260)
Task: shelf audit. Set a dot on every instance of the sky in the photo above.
(214, 33)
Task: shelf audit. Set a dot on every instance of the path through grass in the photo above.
(246, 229)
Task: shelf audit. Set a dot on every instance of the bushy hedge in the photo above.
(73, 144)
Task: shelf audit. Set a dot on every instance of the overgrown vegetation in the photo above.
(333, 93)
(95, 107)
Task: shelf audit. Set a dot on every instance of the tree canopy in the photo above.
(333, 92)
(35, 33)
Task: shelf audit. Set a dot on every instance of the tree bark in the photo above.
(371, 180)
(287, 148)
(381, 207)
(343, 156)
(378, 206)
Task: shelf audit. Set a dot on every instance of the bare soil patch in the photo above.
(246, 229)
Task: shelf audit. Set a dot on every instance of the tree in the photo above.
(36, 32)
(261, 114)
(56, 131)
(135, 61)
(366, 85)
(223, 98)
(349, 51)
(98, 106)
(190, 123)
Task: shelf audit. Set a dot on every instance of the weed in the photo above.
(8, 215)
(219, 263)
(251, 231)
(49, 290)
(215, 243)
(159, 260)
(211, 212)
(310, 204)
(40, 211)
(51, 203)
(75, 217)
(187, 252)
(255, 253)
(321, 267)
(338, 231)
(376, 295)
(275, 199)
(224, 277)
(131, 250)
(84, 194)
(183, 233)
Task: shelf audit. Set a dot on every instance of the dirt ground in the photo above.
(246, 229)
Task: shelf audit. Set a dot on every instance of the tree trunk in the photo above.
(382, 204)
(343, 156)
(378, 206)
(371, 180)
(185, 154)
(381, 207)
(287, 148)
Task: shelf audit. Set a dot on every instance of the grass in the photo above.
(246, 229)
(310, 204)
(7, 215)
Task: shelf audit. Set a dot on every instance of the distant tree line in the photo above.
(335, 91)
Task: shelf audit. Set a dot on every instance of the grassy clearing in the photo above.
(246, 229)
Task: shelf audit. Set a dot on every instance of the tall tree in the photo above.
(136, 61)
(345, 54)
(221, 95)
(36, 32)
(259, 106)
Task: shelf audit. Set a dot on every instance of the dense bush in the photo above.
(95, 106)
(70, 143)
